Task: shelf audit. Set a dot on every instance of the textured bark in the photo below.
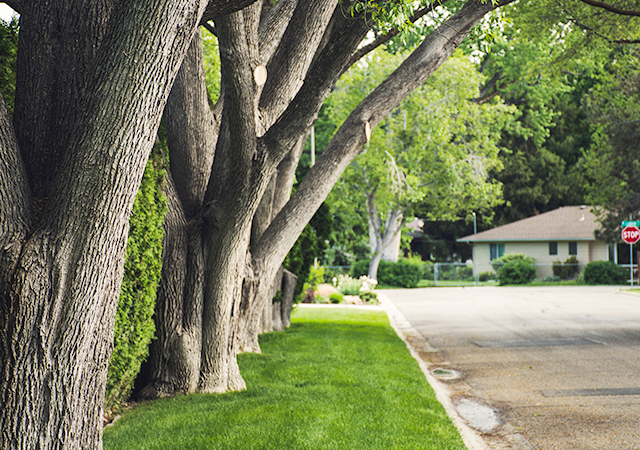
(259, 127)
(192, 130)
(239, 179)
(174, 356)
(84, 170)
(289, 281)
(15, 210)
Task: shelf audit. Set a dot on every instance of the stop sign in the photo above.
(631, 234)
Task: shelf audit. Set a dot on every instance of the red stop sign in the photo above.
(631, 235)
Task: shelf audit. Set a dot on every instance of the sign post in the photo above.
(631, 235)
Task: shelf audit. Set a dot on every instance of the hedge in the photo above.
(604, 272)
(134, 327)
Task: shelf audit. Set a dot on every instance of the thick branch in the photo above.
(16, 5)
(192, 130)
(346, 34)
(219, 8)
(611, 8)
(15, 201)
(273, 27)
(435, 49)
(288, 67)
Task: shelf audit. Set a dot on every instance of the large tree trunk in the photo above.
(174, 356)
(87, 110)
(192, 130)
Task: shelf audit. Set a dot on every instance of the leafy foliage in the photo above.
(613, 161)
(134, 327)
(516, 272)
(515, 268)
(604, 272)
(567, 270)
(434, 152)
(8, 52)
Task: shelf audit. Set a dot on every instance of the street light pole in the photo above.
(475, 228)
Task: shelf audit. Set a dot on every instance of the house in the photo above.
(552, 236)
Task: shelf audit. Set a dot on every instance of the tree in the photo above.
(231, 222)
(435, 150)
(92, 79)
(612, 160)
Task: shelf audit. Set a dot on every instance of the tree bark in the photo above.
(84, 170)
(174, 356)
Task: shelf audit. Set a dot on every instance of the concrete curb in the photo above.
(418, 346)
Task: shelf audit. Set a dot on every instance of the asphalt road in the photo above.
(559, 364)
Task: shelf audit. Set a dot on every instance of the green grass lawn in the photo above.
(339, 378)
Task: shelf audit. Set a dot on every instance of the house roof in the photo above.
(569, 223)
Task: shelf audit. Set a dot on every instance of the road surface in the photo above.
(559, 364)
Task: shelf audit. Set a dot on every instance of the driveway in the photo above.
(559, 364)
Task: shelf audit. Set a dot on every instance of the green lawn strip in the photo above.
(339, 378)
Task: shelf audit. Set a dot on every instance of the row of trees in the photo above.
(93, 81)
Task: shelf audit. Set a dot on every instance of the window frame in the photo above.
(573, 248)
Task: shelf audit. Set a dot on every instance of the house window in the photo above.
(496, 251)
(612, 252)
(573, 248)
(553, 248)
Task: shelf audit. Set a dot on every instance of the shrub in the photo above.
(134, 327)
(604, 272)
(369, 297)
(486, 276)
(404, 273)
(567, 270)
(350, 286)
(336, 297)
(516, 272)
(510, 258)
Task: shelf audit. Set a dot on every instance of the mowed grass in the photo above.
(339, 378)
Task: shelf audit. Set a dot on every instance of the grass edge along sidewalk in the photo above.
(339, 378)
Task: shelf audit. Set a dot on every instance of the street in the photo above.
(559, 364)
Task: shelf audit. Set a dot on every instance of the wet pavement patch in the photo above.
(537, 343)
(478, 416)
(590, 392)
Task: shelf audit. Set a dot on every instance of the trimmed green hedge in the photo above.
(134, 327)
(405, 273)
(605, 272)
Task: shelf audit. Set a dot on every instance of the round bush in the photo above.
(604, 272)
(516, 272)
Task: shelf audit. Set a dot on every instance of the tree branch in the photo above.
(346, 34)
(611, 8)
(273, 27)
(220, 8)
(383, 39)
(290, 63)
(16, 5)
(349, 139)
